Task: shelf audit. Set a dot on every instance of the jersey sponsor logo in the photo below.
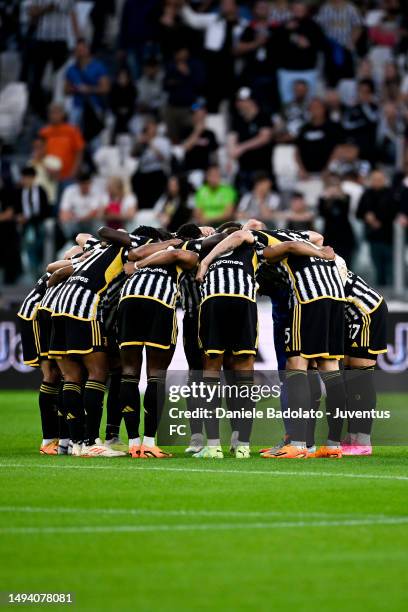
(79, 279)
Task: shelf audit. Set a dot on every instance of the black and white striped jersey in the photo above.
(82, 292)
(190, 295)
(29, 307)
(359, 294)
(110, 301)
(311, 278)
(232, 274)
(158, 283)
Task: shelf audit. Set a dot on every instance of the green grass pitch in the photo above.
(187, 535)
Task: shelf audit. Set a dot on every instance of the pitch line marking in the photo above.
(204, 470)
(186, 513)
(201, 526)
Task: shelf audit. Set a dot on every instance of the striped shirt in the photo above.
(190, 295)
(158, 283)
(232, 274)
(54, 25)
(338, 22)
(29, 307)
(310, 278)
(82, 292)
(359, 294)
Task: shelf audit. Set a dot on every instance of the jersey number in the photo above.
(355, 328)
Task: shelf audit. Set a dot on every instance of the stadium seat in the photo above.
(13, 106)
(285, 166)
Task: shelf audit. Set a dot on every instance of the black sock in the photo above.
(129, 402)
(315, 397)
(48, 402)
(113, 412)
(63, 429)
(361, 395)
(335, 400)
(244, 382)
(73, 410)
(94, 394)
(196, 425)
(298, 397)
(153, 403)
(212, 424)
(230, 379)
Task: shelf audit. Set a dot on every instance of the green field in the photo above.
(187, 535)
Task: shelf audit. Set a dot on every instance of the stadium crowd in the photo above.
(294, 113)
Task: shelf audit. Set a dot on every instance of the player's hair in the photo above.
(189, 231)
(148, 232)
(228, 226)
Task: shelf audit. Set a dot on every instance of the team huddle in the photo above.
(111, 302)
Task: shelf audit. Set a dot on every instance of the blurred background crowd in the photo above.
(127, 112)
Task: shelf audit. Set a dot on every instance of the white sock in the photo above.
(234, 436)
(46, 441)
(197, 439)
(363, 439)
(64, 441)
(298, 444)
(147, 441)
(215, 442)
(134, 442)
(333, 444)
(239, 443)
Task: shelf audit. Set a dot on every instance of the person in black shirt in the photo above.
(10, 259)
(361, 120)
(299, 41)
(122, 101)
(201, 144)
(250, 142)
(334, 206)
(317, 140)
(377, 208)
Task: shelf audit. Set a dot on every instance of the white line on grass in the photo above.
(202, 527)
(181, 512)
(145, 467)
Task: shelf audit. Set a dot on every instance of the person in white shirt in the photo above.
(119, 207)
(80, 207)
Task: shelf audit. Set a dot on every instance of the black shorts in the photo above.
(45, 326)
(228, 325)
(146, 322)
(192, 350)
(316, 329)
(366, 334)
(30, 341)
(70, 336)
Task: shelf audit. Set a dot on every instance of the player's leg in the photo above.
(48, 403)
(129, 396)
(243, 368)
(333, 381)
(113, 411)
(361, 395)
(212, 364)
(72, 400)
(157, 363)
(97, 367)
(194, 359)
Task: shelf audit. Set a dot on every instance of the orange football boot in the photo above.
(50, 449)
(327, 452)
(153, 452)
(287, 452)
(134, 452)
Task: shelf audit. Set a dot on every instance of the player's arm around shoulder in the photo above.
(276, 253)
(231, 242)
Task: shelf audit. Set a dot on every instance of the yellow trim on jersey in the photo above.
(71, 351)
(175, 329)
(244, 352)
(237, 295)
(323, 355)
(377, 352)
(148, 297)
(361, 308)
(272, 241)
(63, 314)
(215, 351)
(32, 316)
(34, 363)
(152, 344)
(37, 336)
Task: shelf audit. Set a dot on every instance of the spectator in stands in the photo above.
(87, 81)
(31, 209)
(150, 93)
(334, 208)
(214, 200)
(391, 85)
(183, 81)
(279, 12)
(80, 207)
(316, 141)
(221, 34)
(10, 253)
(47, 168)
(122, 102)
(360, 121)
(299, 217)
(137, 30)
(378, 209)
(173, 33)
(63, 140)
(334, 105)
(154, 154)
(175, 206)
(392, 130)
(341, 23)
(119, 207)
(294, 115)
(250, 142)
(256, 49)
(200, 145)
(260, 203)
(299, 40)
(50, 25)
(6, 169)
(345, 160)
